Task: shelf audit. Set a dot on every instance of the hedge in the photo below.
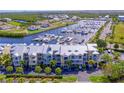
(32, 76)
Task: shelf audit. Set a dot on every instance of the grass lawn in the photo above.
(15, 23)
(13, 33)
(118, 36)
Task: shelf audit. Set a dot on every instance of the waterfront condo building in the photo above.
(43, 54)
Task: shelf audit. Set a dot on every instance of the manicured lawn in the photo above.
(118, 36)
(15, 23)
(98, 79)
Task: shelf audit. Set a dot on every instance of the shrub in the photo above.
(32, 76)
(56, 81)
(2, 77)
(116, 46)
(9, 80)
(32, 81)
(21, 80)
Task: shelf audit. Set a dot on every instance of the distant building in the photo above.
(32, 28)
(6, 19)
(121, 17)
(21, 21)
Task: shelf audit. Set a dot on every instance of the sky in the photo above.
(61, 5)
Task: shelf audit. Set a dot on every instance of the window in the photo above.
(16, 58)
(76, 50)
(80, 56)
(65, 58)
(72, 57)
(39, 58)
(33, 61)
(25, 54)
(39, 54)
(33, 57)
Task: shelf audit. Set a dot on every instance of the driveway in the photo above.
(83, 76)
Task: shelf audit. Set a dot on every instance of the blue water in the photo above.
(28, 39)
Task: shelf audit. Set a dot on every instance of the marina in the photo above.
(79, 33)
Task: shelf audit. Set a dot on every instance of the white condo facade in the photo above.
(43, 54)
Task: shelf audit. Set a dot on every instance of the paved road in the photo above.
(122, 56)
(106, 31)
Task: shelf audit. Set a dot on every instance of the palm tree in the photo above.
(19, 70)
(53, 63)
(9, 69)
(22, 63)
(58, 71)
(47, 70)
(69, 63)
(38, 69)
(6, 60)
(91, 63)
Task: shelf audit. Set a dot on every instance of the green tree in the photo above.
(116, 46)
(101, 43)
(47, 70)
(9, 69)
(112, 71)
(38, 69)
(53, 63)
(58, 71)
(19, 70)
(106, 58)
(116, 56)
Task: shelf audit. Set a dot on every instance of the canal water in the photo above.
(28, 39)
